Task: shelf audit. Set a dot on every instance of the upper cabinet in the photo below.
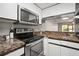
(77, 9)
(27, 13)
(77, 18)
(8, 10)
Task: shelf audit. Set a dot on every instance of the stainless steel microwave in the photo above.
(26, 16)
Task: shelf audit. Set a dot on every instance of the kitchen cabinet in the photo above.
(77, 18)
(65, 51)
(18, 52)
(77, 9)
(72, 52)
(45, 46)
(8, 10)
(62, 48)
(11, 11)
(54, 50)
(70, 44)
(69, 52)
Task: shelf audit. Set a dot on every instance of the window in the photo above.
(67, 28)
(64, 28)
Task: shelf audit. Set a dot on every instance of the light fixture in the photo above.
(77, 16)
(65, 18)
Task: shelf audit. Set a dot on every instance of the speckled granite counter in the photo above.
(65, 36)
(6, 48)
(70, 39)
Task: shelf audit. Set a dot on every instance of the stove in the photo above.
(32, 39)
(33, 44)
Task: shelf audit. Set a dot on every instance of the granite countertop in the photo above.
(65, 36)
(70, 39)
(6, 48)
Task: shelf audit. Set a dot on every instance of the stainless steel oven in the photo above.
(34, 48)
(33, 44)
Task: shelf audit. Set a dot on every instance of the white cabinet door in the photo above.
(45, 45)
(18, 52)
(54, 50)
(64, 51)
(73, 52)
(69, 52)
(71, 44)
(63, 48)
(8, 10)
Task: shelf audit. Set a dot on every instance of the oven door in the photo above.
(34, 49)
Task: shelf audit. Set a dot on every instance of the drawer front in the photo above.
(54, 41)
(53, 50)
(18, 52)
(69, 52)
(71, 44)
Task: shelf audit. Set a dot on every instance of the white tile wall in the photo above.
(49, 25)
(4, 28)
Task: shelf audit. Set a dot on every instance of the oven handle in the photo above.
(35, 44)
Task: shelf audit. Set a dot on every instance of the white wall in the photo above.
(59, 9)
(4, 28)
(49, 25)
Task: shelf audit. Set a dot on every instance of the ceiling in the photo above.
(58, 18)
(45, 5)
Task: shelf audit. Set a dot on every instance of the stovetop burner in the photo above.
(32, 39)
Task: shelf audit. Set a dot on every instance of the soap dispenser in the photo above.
(11, 34)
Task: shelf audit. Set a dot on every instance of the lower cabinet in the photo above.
(45, 46)
(64, 51)
(53, 50)
(18, 52)
(69, 52)
(57, 48)
(71, 49)
(73, 52)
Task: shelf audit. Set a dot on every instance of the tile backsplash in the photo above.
(48, 26)
(4, 28)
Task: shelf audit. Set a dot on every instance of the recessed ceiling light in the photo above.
(65, 18)
(77, 16)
